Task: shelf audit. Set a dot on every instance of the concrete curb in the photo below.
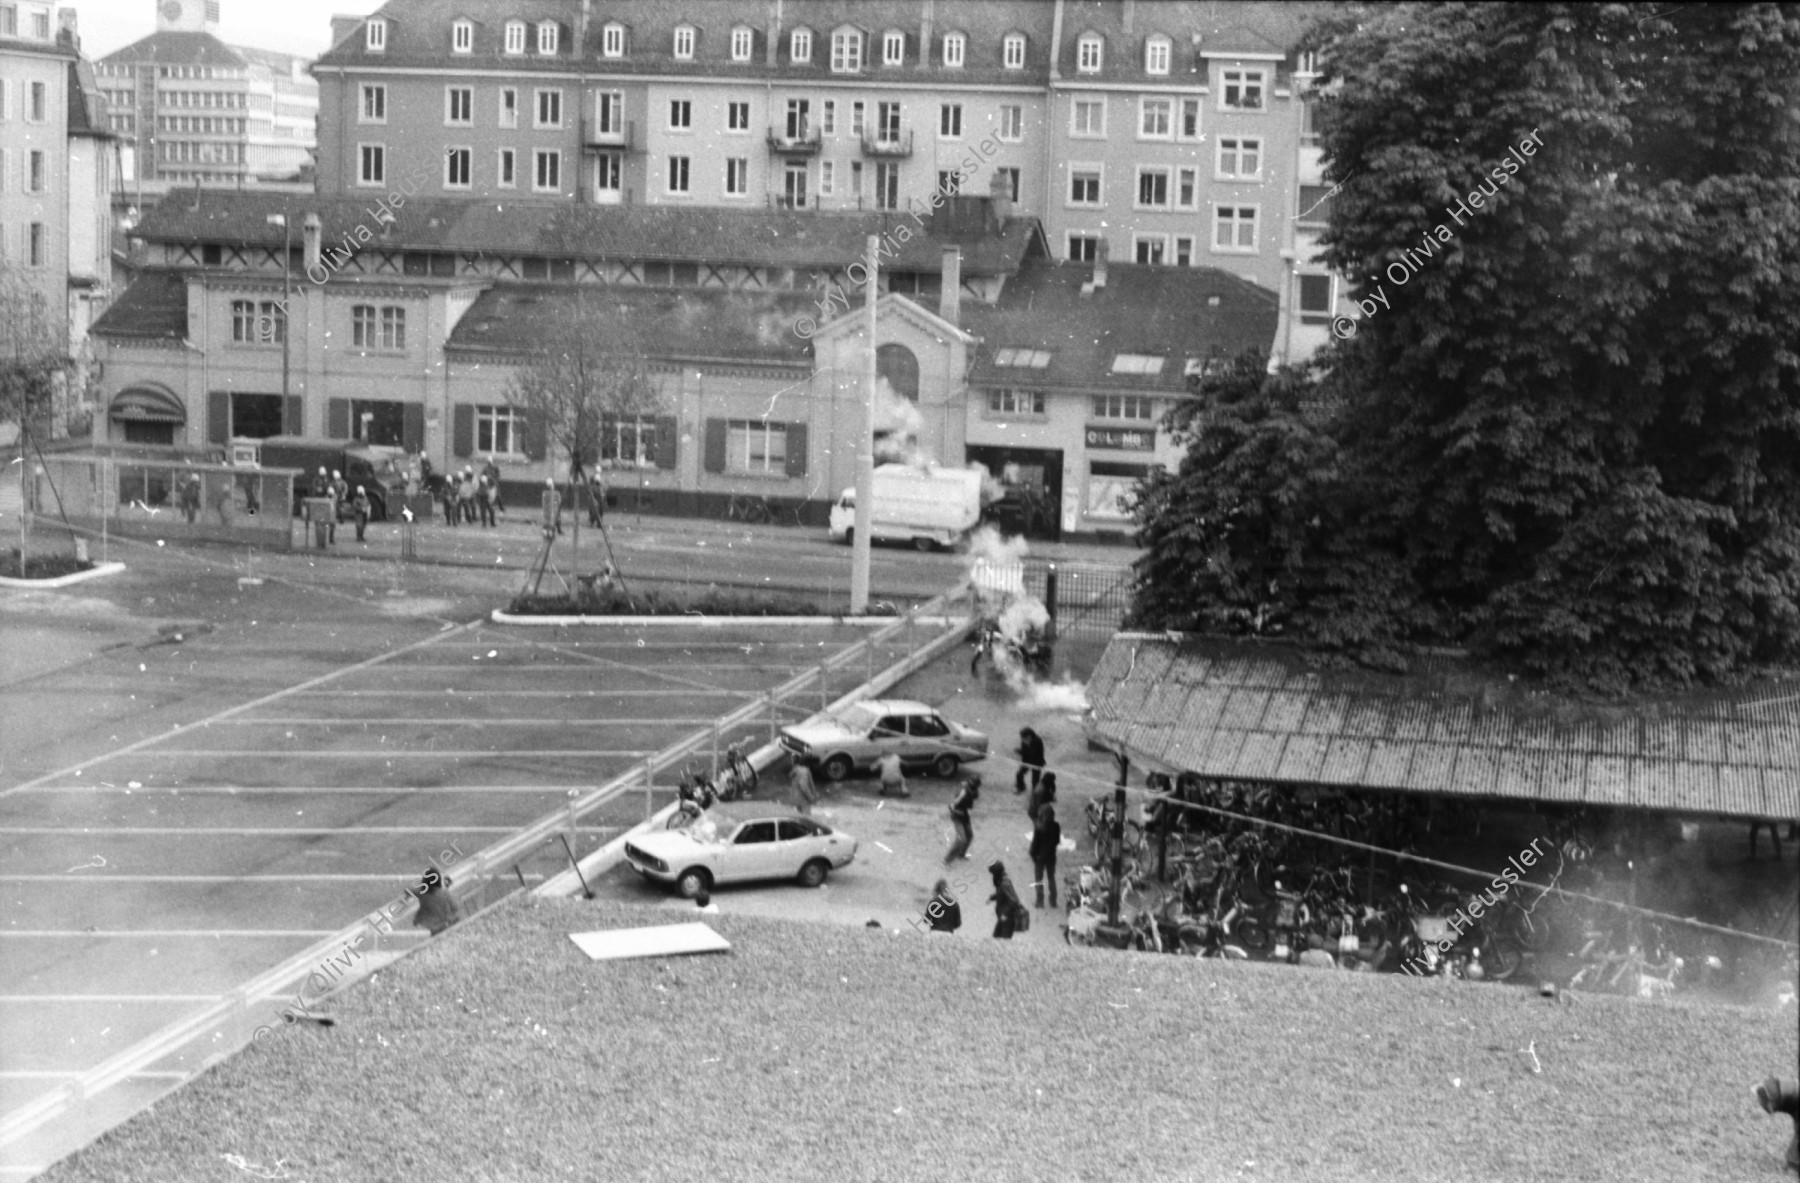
(702, 621)
(94, 572)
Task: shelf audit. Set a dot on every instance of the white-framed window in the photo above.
(856, 119)
(1022, 358)
(1316, 298)
(459, 106)
(509, 106)
(1156, 55)
(609, 112)
(375, 36)
(499, 431)
(381, 328)
(1089, 54)
(846, 51)
(793, 184)
(609, 174)
(462, 36)
(887, 184)
(506, 171)
(515, 36)
(1187, 188)
(1152, 188)
(893, 48)
(827, 178)
(1134, 407)
(800, 45)
(1137, 363)
(684, 43)
(1013, 177)
(1012, 124)
(547, 35)
(1156, 119)
(1085, 185)
(737, 116)
(678, 175)
(37, 245)
(546, 176)
(737, 176)
(756, 446)
(956, 48)
(371, 164)
(1185, 255)
(1309, 124)
(743, 41)
(1234, 228)
(628, 441)
(1240, 158)
(1012, 51)
(681, 114)
(1087, 118)
(258, 324)
(1030, 403)
(950, 121)
(456, 167)
(887, 123)
(549, 108)
(1242, 90)
(949, 182)
(374, 104)
(828, 117)
(1307, 64)
(612, 40)
(1187, 123)
(799, 119)
(1149, 248)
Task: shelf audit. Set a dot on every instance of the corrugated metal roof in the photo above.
(1248, 711)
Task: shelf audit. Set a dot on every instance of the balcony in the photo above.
(804, 144)
(888, 147)
(622, 135)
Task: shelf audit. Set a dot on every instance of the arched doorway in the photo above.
(147, 413)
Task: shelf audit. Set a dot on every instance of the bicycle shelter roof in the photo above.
(1255, 710)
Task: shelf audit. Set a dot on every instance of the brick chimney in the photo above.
(310, 230)
(925, 27)
(950, 290)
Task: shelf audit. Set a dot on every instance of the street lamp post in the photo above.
(287, 286)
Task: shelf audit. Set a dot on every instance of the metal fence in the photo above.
(164, 498)
(1090, 599)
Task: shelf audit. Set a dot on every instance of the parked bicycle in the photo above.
(752, 511)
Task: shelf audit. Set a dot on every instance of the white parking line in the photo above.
(401, 692)
(387, 753)
(109, 877)
(248, 791)
(167, 933)
(470, 721)
(116, 831)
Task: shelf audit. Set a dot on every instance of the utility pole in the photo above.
(287, 294)
(865, 458)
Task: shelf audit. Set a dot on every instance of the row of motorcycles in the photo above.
(697, 792)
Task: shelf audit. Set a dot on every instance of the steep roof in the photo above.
(1247, 711)
(154, 307)
(87, 109)
(1223, 26)
(683, 325)
(175, 48)
(1175, 313)
(829, 241)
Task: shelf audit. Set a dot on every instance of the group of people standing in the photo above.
(468, 496)
(337, 490)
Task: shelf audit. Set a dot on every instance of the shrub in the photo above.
(41, 566)
(714, 601)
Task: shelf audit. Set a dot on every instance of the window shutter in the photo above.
(667, 435)
(531, 436)
(462, 430)
(337, 418)
(715, 445)
(796, 449)
(218, 417)
(412, 427)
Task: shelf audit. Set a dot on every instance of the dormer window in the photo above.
(1012, 51)
(846, 51)
(684, 43)
(547, 37)
(955, 45)
(462, 36)
(515, 36)
(375, 36)
(800, 46)
(612, 41)
(893, 48)
(1156, 55)
(742, 43)
(1088, 54)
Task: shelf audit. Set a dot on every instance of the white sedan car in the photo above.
(726, 848)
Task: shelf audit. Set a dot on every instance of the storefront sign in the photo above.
(1122, 439)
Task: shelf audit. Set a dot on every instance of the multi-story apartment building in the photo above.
(196, 110)
(56, 178)
(1169, 131)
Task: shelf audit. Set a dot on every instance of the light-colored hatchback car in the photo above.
(722, 847)
(863, 732)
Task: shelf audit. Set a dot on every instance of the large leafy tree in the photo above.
(34, 363)
(1566, 428)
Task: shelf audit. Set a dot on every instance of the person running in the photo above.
(1031, 759)
(1046, 836)
(943, 913)
(893, 781)
(960, 816)
(359, 505)
(1006, 902)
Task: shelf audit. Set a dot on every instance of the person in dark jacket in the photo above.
(943, 913)
(1043, 794)
(960, 817)
(1045, 837)
(359, 505)
(437, 910)
(1031, 759)
(1006, 902)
